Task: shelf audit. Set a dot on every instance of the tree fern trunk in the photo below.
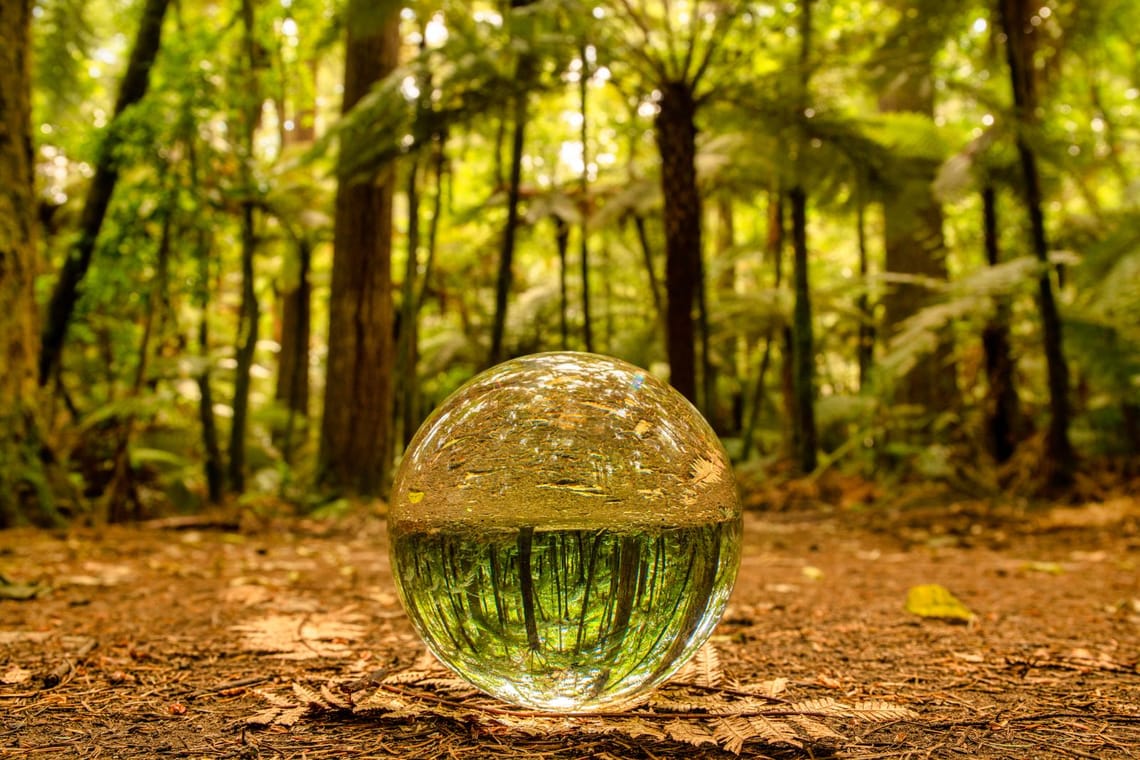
(584, 231)
(650, 269)
(1059, 451)
(803, 342)
(562, 242)
(510, 230)
(1002, 404)
(803, 337)
(250, 311)
(866, 334)
(676, 141)
(292, 389)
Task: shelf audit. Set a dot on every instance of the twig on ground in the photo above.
(65, 668)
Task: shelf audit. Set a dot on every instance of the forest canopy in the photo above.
(246, 246)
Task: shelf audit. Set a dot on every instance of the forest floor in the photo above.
(214, 640)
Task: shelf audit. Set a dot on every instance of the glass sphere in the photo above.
(565, 531)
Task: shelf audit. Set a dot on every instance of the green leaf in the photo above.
(934, 601)
(143, 456)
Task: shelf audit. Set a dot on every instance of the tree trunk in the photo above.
(510, 230)
(408, 327)
(215, 480)
(724, 419)
(562, 243)
(249, 112)
(292, 390)
(650, 269)
(1058, 449)
(213, 466)
(22, 490)
(676, 142)
(584, 205)
(131, 90)
(358, 390)
(433, 226)
(803, 350)
(915, 247)
(803, 339)
(865, 351)
(774, 248)
(1002, 405)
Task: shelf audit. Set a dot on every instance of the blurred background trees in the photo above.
(897, 239)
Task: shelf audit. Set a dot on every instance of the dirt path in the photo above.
(149, 643)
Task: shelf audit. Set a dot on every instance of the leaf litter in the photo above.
(699, 706)
(183, 658)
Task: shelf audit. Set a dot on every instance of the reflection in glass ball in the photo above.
(565, 531)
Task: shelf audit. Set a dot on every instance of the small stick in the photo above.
(61, 671)
(226, 686)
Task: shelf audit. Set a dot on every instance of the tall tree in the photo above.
(803, 339)
(524, 72)
(358, 388)
(675, 57)
(1002, 403)
(584, 238)
(676, 133)
(21, 482)
(915, 248)
(1019, 37)
(865, 350)
(133, 87)
(248, 116)
(292, 389)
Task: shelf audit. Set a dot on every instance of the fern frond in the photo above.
(634, 727)
(689, 732)
(774, 731)
(732, 733)
(264, 718)
(276, 700)
(879, 711)
(825, 706)
(335, 699)
(379, 701)
(309, 697)
(455, 687)
(815, 730)
(409, 676)
(289, 718)
(680, 701)
(703, 669)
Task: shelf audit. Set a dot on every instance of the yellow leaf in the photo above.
(415, 497)
(934, 601)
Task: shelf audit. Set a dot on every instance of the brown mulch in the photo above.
(165, 640)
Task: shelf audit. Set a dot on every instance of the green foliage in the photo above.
(184, 174)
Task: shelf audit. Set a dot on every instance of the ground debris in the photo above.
(690, 709)
(199, 631)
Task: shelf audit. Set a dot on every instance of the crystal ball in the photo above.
(565, 531)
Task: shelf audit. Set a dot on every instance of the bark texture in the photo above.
(1002, 403)
(676, 136)
(912, 221)
(358, 393)
(1059, 454)
(292, 390)
(803, 343)
(18, 339)
(510, 230)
